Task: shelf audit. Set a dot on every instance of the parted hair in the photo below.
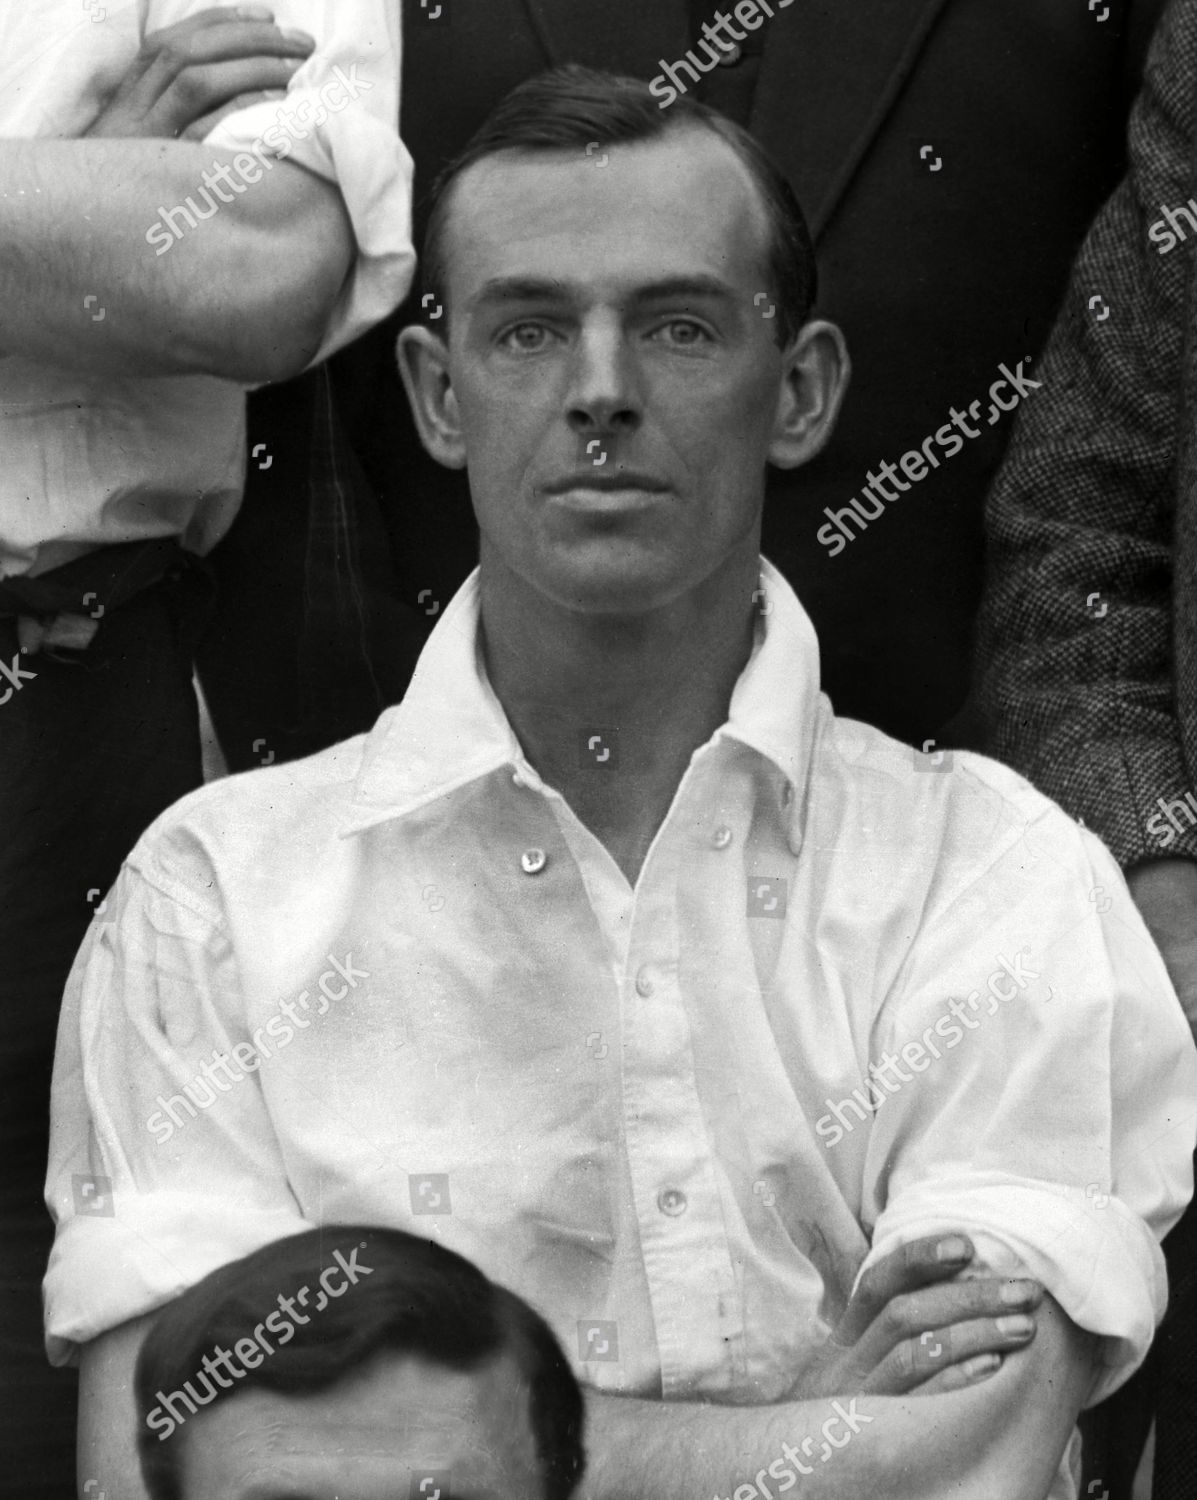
(418, 1298)
(571, 108)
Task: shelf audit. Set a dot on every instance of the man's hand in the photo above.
(911, 1327)
(187, 77)
(997, 1439)
(1165, 891)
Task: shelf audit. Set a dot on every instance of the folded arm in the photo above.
(999, 1440)
(871, 1353)
(245, 295)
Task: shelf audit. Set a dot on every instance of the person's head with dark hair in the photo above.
(623, 344)
(577, 109)
(355, 1362)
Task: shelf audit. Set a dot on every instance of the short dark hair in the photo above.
(570, 108)
(419, 1299)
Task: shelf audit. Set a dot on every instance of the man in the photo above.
(406, 1361)
(1087, 642)
(610, 957)
(144, 284)
(950, 157)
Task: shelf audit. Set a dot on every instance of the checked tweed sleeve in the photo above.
(1075, 663)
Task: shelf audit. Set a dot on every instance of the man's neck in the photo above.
(609, 710)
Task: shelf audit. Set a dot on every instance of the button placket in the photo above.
(675, 1185)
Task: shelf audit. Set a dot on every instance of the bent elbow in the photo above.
(278, 352)
(266, 311)
(260, 338)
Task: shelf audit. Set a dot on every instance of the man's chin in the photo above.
(623, 581)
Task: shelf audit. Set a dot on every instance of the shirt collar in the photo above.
(450, 729)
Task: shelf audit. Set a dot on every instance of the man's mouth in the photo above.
(626, 485)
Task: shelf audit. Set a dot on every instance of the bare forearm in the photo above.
(243, 295)
(108, 1414)
(676, 1452)
(1000, 1440)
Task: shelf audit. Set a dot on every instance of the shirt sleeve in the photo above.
(1053, 1117)
(161, 1166)
(340, 120)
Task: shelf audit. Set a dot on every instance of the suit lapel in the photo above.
(627, 36)
(830, 73)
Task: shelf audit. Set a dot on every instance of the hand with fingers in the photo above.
(187, 77)
(913, 1327)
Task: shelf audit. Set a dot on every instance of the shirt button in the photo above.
(731, 55)
(671, 1201)
(644, 982)
(533, 861)
(721, 837)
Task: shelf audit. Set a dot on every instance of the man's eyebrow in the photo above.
(521, 289)
(552, 289)
(671, 287)
(265, 1490)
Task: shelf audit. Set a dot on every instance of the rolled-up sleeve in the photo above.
(1054, 1114)
(150, 1187)
(340, 120)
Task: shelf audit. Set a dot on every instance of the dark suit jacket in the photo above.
(937, 277)
(1088, 647)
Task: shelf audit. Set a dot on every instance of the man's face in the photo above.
(615, 377)
(398, 1424)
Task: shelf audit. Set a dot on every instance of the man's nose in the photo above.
(604, 391)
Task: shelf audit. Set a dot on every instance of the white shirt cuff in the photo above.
(1095, 1256)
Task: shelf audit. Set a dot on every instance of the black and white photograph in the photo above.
(598, 743)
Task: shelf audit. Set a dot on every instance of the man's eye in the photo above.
(682, 332)
(525, 338)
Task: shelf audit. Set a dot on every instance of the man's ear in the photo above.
(423, 358)
(817, 370)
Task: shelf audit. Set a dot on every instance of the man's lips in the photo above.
(625, 479)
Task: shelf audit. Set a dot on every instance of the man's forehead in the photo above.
(474, 1423)
(683, 203)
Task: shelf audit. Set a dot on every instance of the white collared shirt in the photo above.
(94, 459)
(445, 1009)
